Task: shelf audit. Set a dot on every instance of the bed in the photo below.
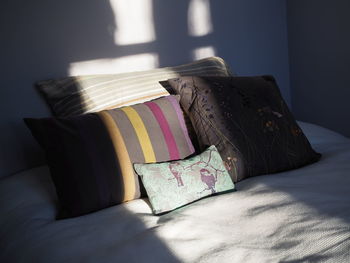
(301, 215)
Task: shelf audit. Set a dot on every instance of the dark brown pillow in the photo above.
(247, 120)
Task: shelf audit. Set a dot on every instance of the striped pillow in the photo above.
(91, 156)
(83, 94)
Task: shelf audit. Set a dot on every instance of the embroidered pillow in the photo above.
(170, 185)
(248, 121)
(90, 156)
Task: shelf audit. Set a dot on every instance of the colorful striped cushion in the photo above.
(91, 156)
(83, 94)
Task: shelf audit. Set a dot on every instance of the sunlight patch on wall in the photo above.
(203, 52)
(199, 18)
(134, 21)
(115, 65)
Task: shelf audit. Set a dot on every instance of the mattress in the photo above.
(299, 215)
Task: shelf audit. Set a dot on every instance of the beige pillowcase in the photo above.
(83, 94)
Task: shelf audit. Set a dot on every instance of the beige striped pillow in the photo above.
(83, 94)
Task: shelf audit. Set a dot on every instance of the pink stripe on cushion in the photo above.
(179, 113)
(164, 125)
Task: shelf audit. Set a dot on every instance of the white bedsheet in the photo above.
(300, 215)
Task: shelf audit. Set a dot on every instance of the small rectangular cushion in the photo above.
(91, 93)
(248, 121)
(90, 156)
(170, 185)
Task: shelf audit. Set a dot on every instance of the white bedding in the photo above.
(300, 215)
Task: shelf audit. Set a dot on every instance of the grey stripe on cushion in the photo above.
(82, 94)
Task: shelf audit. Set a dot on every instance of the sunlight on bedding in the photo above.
(199, 18)
(134, 21)
(203, 52)
(114, 65)
(277, 212)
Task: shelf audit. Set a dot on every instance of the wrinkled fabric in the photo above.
(302, 215)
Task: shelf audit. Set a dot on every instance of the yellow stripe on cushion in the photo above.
(141, 133)
(122, 155)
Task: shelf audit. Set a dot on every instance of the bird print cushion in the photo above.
(170, 185)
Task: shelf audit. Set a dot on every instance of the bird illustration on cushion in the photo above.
(209, 179)
(175, 168)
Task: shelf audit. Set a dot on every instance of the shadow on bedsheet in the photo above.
(322, 187)
(28, 206)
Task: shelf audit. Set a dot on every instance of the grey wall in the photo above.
(319, 53)
(39, 40)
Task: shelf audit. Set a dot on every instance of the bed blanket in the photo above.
(300, 215)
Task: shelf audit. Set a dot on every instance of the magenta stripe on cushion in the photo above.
(168, 135)
(179, 113)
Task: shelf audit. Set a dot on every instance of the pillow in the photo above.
(170, 185)
(83, 94)
(248, 121)
(90, 156)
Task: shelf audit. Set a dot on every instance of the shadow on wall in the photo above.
(319, 50)
(52, 39)
(43, 38)
(147, 34)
